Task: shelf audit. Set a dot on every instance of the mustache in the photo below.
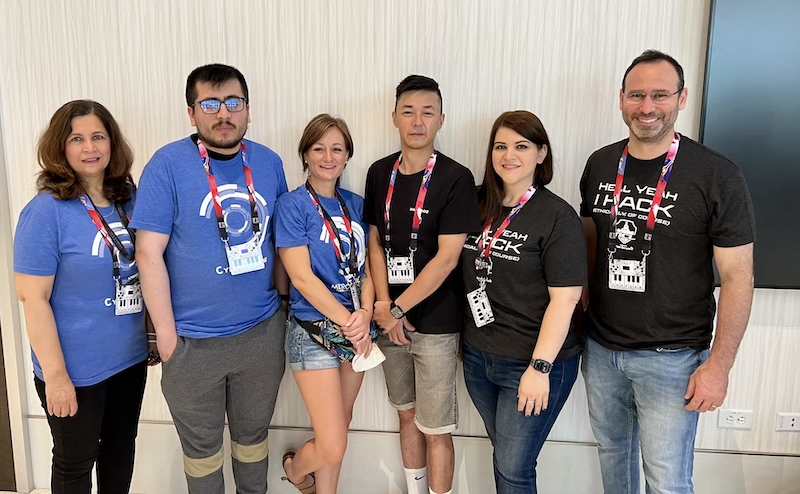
(219, 124)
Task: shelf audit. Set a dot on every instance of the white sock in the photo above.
(448, 492)
(417, 480)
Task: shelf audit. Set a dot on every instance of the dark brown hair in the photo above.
(215, 74)
(59, 179)
(528, 125)
(314, 131)
(654, 56)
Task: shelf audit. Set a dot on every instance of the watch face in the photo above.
(542, 366)
(397, 312)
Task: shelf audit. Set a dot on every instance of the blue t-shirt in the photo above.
(175, 199)
(58, 238)
(298, 223)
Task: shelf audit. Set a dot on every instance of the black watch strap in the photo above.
(396, 311)
(542, 366)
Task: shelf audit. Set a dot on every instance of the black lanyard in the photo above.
(349, 263)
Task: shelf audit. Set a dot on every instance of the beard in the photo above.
(651, 133)
(222, 142)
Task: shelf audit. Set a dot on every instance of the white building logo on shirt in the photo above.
(358, 233)
(236, 212)
(100, 248)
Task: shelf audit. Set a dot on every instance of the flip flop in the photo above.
(311, 489)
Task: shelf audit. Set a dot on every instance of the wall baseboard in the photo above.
(373, 465)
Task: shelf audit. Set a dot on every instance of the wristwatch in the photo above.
(542, 366)
(396, 311)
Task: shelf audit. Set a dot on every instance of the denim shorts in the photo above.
(422, 376)
(304, 353)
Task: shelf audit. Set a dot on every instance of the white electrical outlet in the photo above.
(788, 422)
(735, 419)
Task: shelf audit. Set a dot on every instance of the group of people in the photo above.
(210, 249)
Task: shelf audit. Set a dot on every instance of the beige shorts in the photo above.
(422, 375)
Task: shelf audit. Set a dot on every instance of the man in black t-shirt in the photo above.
(431, 205)
(657, 209)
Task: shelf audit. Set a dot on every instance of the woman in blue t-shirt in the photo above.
(78, 282)
(523, 275)
(322, 241)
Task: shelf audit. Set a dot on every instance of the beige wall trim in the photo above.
(13, 351)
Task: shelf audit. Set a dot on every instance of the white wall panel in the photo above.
(563, 60)
(372, 466)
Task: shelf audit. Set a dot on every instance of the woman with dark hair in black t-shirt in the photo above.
(523, 274)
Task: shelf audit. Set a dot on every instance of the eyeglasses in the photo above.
(657, 97)
(212, 106)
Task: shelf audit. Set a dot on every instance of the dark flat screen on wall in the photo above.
(751, 114)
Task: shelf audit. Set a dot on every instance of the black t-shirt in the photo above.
(451, 207)
(705, 204)
(543, 247)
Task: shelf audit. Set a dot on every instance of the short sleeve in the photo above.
(370, 215)
(282, 187)
(732, 219)
(585, 208)
(564, 255)
(155, 199)
(36, 246)
(461, 214)
(290, 223)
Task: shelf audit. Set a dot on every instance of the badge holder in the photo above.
(245, 258)
(354, 283)
(627, 275)
(480, 307)
(478, 299)
(400, 269)
(128, 298)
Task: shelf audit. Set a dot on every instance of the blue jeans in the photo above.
(636, 406)
(492, 382)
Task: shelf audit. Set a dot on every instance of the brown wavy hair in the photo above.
(59, 179)
(528, 125)
(314, 131)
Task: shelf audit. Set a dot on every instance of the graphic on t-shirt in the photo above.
(626, 231)
(635, 202)
(419, 212)
(358, 232)
(236, 212)
(100, 248)
(507, 247)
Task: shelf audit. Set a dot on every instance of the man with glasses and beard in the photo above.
(657, 208)
(206, 256)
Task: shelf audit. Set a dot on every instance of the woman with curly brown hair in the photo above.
(77, 280)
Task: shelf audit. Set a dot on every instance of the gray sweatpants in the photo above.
(207, 378)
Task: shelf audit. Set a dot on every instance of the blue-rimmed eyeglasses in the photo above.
(212, 106)
(656, 97)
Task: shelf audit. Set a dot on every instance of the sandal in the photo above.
(311, 489)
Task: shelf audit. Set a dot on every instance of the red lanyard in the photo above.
(486, 247)
(349, 263)
(666, 171)
(212, 184)
(112, 241)
(423, 192)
